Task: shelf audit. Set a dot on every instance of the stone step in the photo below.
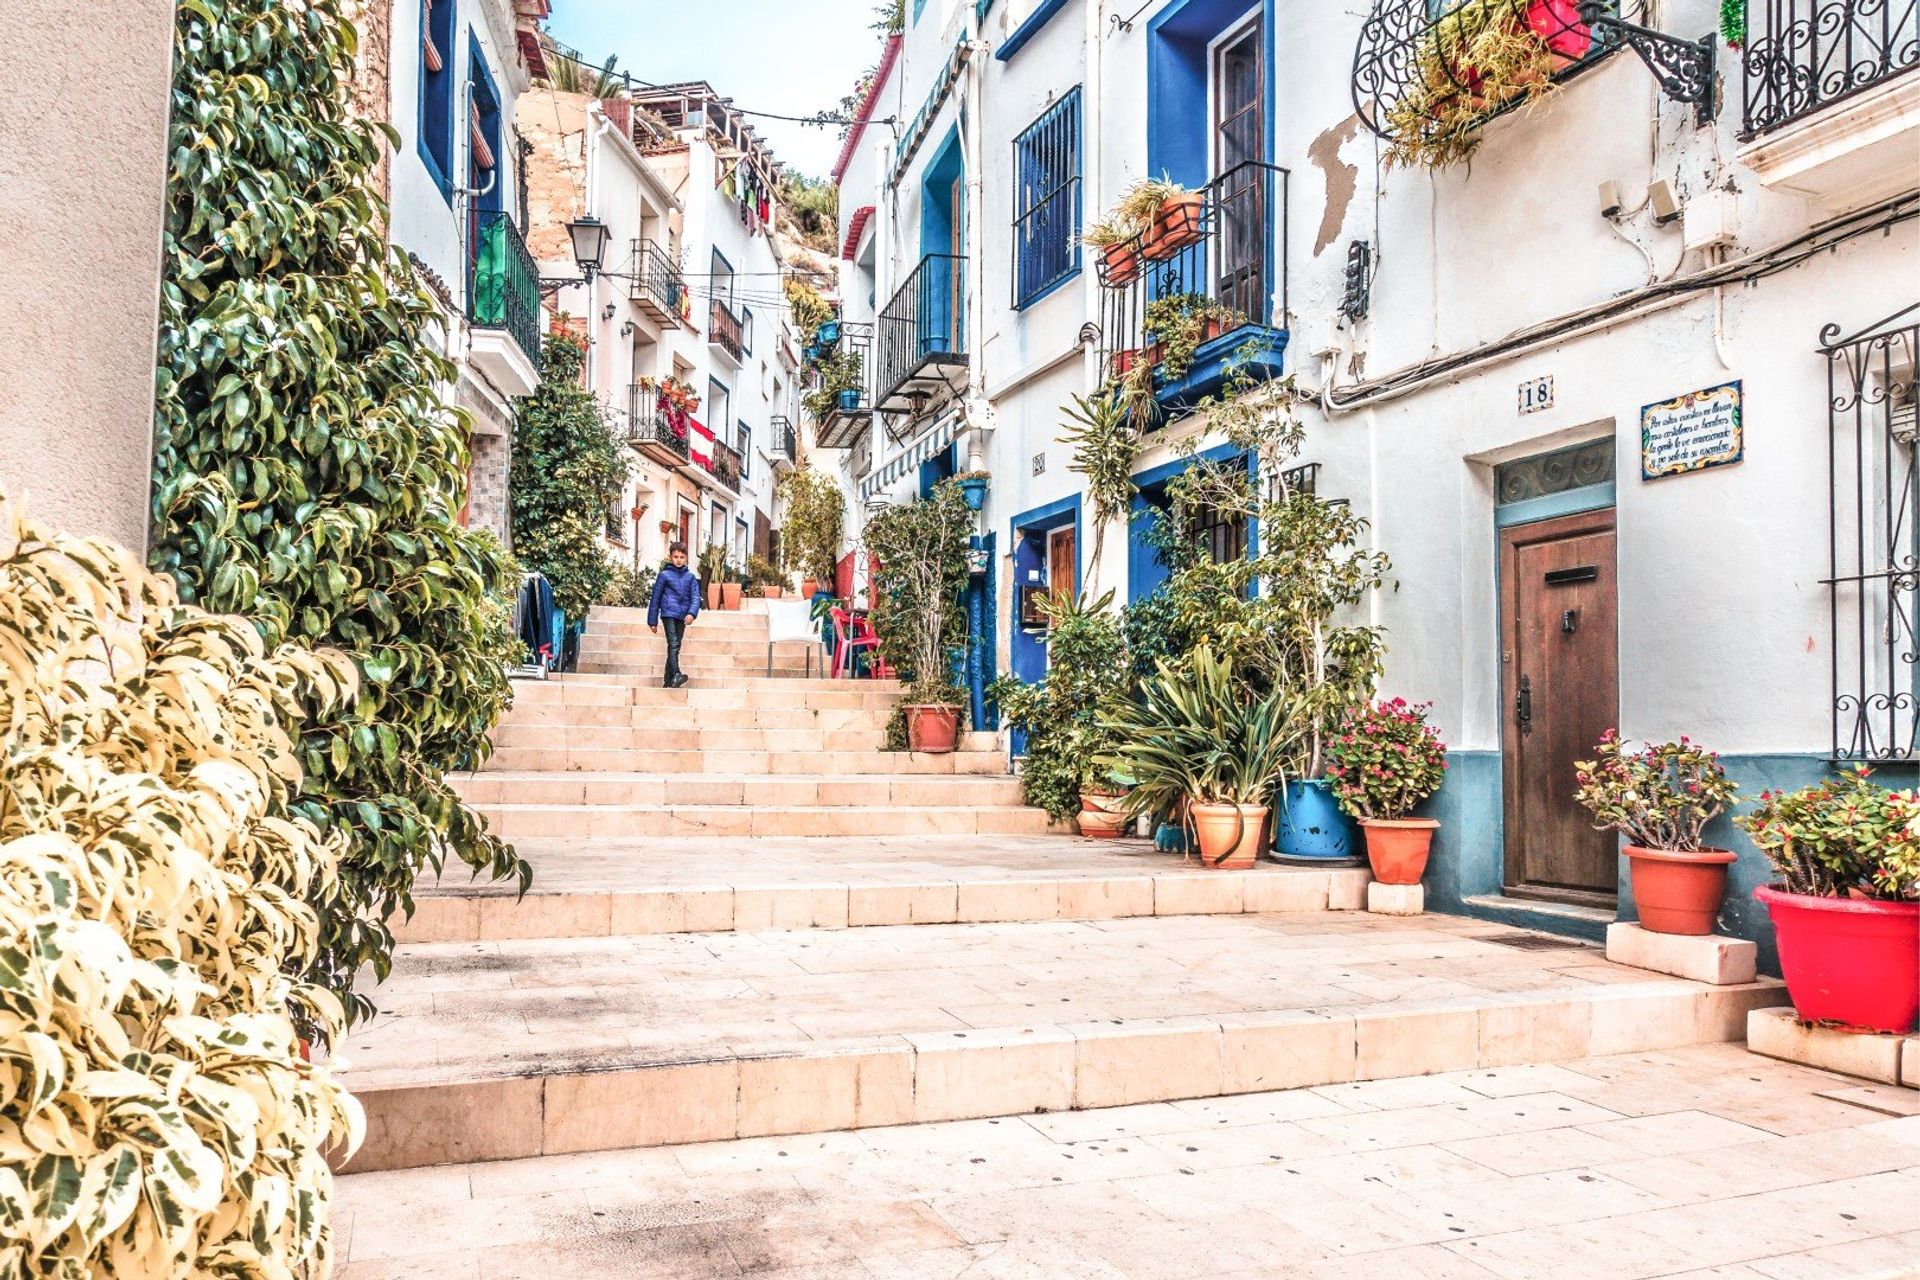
(727, 641)
(751, 608)
(499, 1050)
(709, 788)
(665, 735)
(836, 763)
(700, 669)
(611, 905)
(516, 821)
(586, 689)
(548, 715)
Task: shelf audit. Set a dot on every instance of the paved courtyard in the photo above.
(1698, 1162)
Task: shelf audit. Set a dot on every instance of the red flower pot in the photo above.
(1397, 847)
(1679, 892)
(1176, 226)
(933, 728)
(1120, 263)
(1852, 961)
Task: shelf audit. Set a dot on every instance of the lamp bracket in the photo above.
(1685, 69)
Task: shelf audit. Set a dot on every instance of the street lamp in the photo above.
(590, 238)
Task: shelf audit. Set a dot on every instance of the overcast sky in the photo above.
(794, 57)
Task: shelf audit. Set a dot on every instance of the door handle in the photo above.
(1523, 705)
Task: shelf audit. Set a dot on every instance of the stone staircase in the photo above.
(748, 920)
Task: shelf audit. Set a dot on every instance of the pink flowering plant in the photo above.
(1384, 759)
(1661, 797)
(1841, 837)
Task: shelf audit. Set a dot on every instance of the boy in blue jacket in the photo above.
(676, 602)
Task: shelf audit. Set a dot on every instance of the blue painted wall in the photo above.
(1178, 141)
(982, 628)
(1145, 573)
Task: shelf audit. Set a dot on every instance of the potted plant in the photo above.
(1385, 760)
(1061, 714)
(766, 578)
(1193, 737)
(713, 570)
(1846, 910)
(973, 488)
(1118, 244)
(1661, 799)
(733, 588)
(1180, 323)
(1170, 213)
(920, 549)
(837, 387)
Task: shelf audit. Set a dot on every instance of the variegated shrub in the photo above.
(156, 1115)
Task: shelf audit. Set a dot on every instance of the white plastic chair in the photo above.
(790, 621)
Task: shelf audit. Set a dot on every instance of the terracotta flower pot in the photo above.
(1120, 263)
(713, 595)
(1176, 226)
(933, 728)
(1852, 961)
(730, 595)
(807, 587)
(772, 593)
(1679, 892)
(1230, 835)
(1397, 847)
(1103, 814)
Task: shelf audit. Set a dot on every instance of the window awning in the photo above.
(933, 441)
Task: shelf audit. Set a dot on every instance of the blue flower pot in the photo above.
(975, 493)
(827, 334)
(850, 400)
(1311, 826)
(1170, 837)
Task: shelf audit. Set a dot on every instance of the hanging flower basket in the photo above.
(1177, 225)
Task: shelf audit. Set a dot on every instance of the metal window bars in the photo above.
(1803, 55)
(1046, 200)
(1873, 536)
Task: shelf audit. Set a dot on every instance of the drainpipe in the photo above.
(1093, 177)
(593, 302)
(970, 128)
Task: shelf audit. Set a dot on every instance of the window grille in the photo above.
(1046, 200)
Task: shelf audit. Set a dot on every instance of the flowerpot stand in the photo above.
(1396, 899)
(1869, 1055)
(1715, 960)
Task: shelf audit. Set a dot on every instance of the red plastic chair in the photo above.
(850, 635)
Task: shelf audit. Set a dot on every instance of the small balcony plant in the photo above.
(1660, 799)
(1153, 219)
(1384, 760)
(1194, 742)
(1846, 909)
(837, 388)
(1180, 324)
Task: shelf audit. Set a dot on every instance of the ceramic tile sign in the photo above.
(1692, 432)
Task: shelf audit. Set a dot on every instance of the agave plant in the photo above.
(1195, 735)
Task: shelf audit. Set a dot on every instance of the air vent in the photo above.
(1537, 942)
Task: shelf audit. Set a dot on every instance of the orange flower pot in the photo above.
(1230, 835)
(730, 595)
(1103, 814)
(1397, 847)
(807, 587)
(1176, 226)
(1679, 891)
(1120, 263)
(933, 728)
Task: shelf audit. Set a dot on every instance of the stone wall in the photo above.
(487, 497)
(372, 89)
(83, 133)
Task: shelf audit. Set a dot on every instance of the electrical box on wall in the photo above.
(1711, 220)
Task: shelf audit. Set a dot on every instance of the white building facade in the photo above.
(457, 207)
(1525, 372)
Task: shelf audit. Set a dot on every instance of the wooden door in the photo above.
(1062, 564)
(1240, 138)
(1560, 678)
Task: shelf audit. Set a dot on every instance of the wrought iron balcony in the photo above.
(657, 284)
(786, 443)
(842, 413)
(723, 331)
(505, 283)
(1804, 55)
(921, 334)
(1204, 292)
(655, 427)
(725, 464)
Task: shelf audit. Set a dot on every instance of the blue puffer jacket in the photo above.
(676, 593)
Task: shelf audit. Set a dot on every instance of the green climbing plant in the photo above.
(1104, 435)
(306, 472)
(569, 468)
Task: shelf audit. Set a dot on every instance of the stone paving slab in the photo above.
(1699, 1162)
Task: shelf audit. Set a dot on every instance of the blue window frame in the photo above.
(436, 96)
(918, 5)
(486, 176)
(1046, 201)
(745, 445)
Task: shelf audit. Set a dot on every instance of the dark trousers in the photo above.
(676, 629)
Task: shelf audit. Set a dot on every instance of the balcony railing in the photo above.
(726, 465)
(1803, 55)
(653, 421)
(657, 284)
(505, 291)
(786, 443)
(922, 329)
(723, 330)
(1219, 273)
(841, 417)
